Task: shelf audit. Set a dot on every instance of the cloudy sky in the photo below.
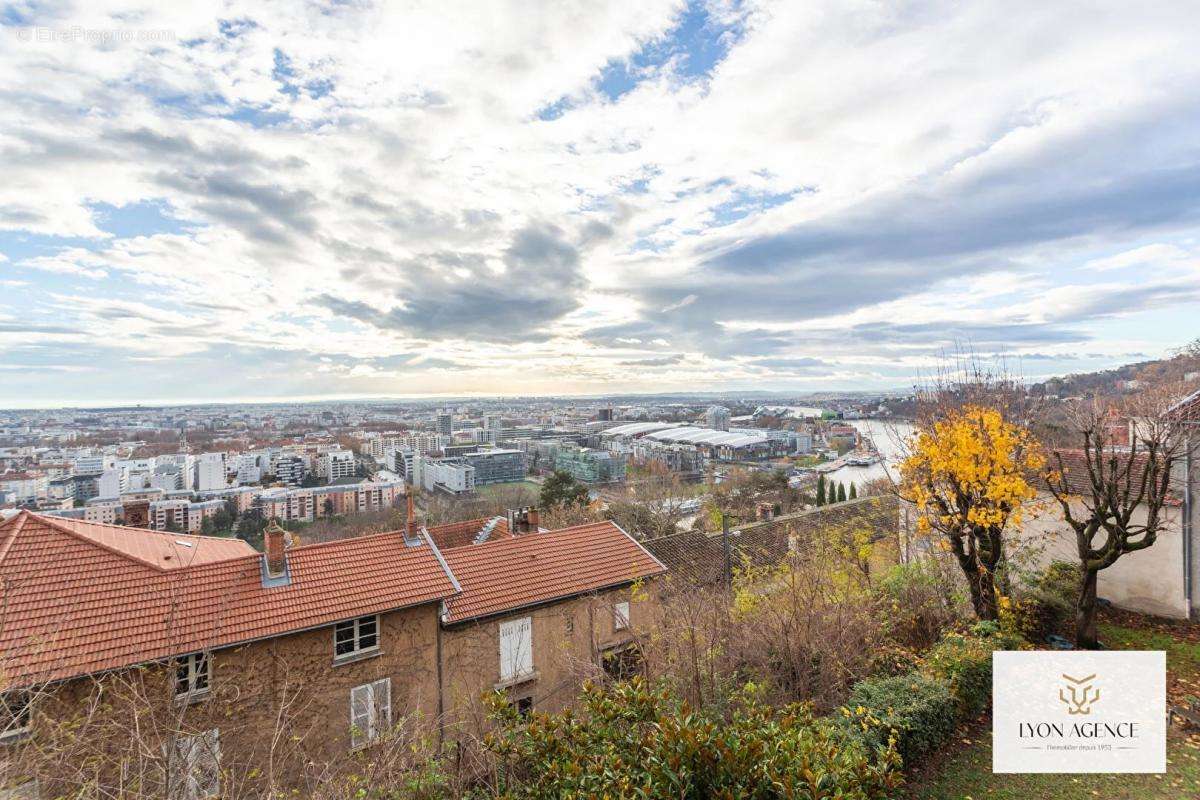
(289, 200)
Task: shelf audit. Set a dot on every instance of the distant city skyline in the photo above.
(262, 201)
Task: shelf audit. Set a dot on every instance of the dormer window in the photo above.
(193, 675)
(355, 637)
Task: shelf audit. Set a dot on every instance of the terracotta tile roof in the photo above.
(538, 567)
(154, 548)
(76, 604)
(457, 534)
(1078, 481)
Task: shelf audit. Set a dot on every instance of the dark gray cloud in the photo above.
(456, 295)
(664, 361)
(263, 211)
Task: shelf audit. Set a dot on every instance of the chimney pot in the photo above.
(535, 519)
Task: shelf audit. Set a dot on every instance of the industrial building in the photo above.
(735, 444)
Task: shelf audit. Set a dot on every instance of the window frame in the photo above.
(195, 668)
(355, 627)
(521, 654)
(377, 697)
(191, 753)
(621, 616)
(23, 715)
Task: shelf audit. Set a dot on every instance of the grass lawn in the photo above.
(965, 771)
(493, 488)
(967, 775)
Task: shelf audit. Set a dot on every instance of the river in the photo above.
(887, 437)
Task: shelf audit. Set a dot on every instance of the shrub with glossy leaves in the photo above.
(629, 740)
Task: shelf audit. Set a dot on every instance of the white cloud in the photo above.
(885, 169)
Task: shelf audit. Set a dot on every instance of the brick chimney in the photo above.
(410, 524)
(534, 518)
(276, 549)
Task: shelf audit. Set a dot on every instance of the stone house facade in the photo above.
(258, 669)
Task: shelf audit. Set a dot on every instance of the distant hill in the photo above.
(1179, 367)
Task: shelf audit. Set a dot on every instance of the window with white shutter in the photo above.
(370, 712)
(195, 767)
(621, 616)
(516, 648)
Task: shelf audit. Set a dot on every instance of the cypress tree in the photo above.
(853, 491)
(841, 493)
(821, 489)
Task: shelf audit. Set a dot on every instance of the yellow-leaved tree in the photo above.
(967, 473)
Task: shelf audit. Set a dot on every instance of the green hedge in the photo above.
(916, 711)
(921, 709)
(632, 741)
(964, 662)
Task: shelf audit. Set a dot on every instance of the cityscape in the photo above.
(159, 467)
(541, 400)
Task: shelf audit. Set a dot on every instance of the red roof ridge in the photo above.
(58, 525)
(56, 521)
(534, 536)
(18, 522)
(502, 576)
(366, 537)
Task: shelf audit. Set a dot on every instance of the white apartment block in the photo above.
(182, 515)
(24, 486)
(378, 447)
(111, 483)
(210, 472)
(450, 477)
(94, 464)
(335, 465)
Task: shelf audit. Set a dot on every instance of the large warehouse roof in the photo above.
(743, 437)
(637, 428)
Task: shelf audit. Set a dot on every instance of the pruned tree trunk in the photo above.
(982, 588)
(1085, 612)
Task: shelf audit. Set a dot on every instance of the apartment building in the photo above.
(589, 465)
(447, 475)
(290, 469)
(335, 465)
(355, 498)
(104, 512)
(288, 504)
(181, 514)
(24, 486)
(211, 472)
(328, 645)
(496, 465)
(111, 483)
(94, 464)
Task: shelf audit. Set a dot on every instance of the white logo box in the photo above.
(1079, 711)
